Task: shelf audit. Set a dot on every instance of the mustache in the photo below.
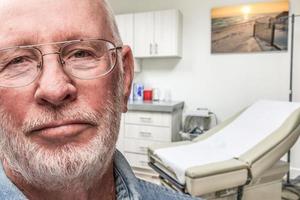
(41, 118)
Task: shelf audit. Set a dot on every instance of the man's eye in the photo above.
(18, 60)
(82, 54)
(15, 63)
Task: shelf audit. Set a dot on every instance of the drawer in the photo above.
(148, 118)
(162, 134)
(137, 160)
(139, 146)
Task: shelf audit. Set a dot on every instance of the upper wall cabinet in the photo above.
(158, 34)
(125, 25)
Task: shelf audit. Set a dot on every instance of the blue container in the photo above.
(138, 90)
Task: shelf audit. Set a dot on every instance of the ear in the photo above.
(128, 68)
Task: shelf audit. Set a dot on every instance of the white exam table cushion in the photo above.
(252, 126)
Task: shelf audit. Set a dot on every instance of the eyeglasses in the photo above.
(84, 59)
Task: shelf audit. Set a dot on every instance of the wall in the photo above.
(223, 83)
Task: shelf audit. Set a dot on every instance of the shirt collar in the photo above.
(127, 186)
(7, 189)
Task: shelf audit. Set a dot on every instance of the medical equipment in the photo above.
(239, 158)
(197, 123)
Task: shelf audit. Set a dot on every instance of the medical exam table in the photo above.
(238, 159)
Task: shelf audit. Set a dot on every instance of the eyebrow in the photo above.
(19, 42)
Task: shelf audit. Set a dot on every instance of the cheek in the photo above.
(15, 103)
(98, 93)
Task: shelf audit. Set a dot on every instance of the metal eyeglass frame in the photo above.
(59, 53)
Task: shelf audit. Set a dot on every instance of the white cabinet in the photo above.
(142, 129)
(125, 23)
(144, 34)
(152, 34)
(146, 124)
(167, 33)
(158, 34)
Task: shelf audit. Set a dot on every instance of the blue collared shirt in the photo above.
(128, 187)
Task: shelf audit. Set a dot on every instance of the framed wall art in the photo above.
(257, 27)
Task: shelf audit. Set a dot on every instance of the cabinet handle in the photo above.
(145, 134)
(144, 163)
(151, 48)
(146, 119)
(156, 48)
(143, 149)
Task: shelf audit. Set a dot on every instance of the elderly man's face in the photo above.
(59, 128)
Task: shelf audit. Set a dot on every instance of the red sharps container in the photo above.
(148, 95)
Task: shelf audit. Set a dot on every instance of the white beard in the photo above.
(67, 166)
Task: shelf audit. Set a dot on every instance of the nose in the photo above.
(55, 88)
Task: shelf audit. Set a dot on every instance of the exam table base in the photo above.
(266, 187)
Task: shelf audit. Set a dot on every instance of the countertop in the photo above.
(155, 106)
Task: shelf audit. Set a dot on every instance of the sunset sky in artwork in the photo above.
(249, 9)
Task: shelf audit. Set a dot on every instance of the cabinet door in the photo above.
(143, 34)
(125, 25)
(167, 34)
